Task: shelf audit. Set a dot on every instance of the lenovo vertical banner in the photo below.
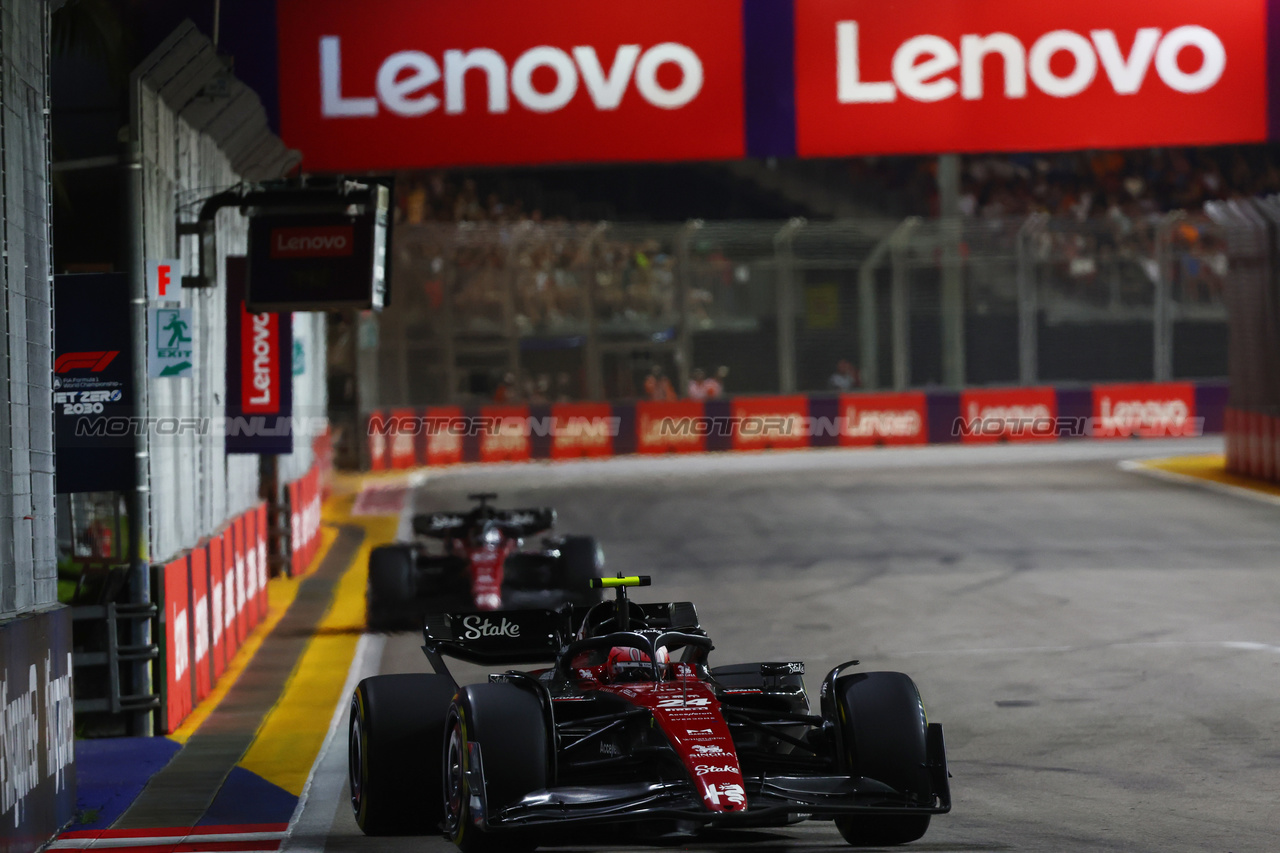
(93, 394)
(259, 373)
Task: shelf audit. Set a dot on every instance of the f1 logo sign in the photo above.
(164, 280)
(95, 361)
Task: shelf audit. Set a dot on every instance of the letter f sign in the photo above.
(160, 283)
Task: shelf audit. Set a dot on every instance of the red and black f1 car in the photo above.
(631, 724)
(479, 565)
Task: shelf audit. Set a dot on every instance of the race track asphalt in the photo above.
(1103, 649)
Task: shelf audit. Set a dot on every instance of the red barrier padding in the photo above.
(201, 634)
(504, 436)
(404, 438)
(582, 430)
(441, 444)
(245, 615)
(675, 427)
(1255, 444)
(764, 423)
(379, 441)
(1147, 410)
(217, 607)
(1009, 414)
(1229, 432)
(260, 517)
(231, 600)
(873, 419)
(177, 641)
(295, 529)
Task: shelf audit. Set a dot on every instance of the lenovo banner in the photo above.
(504, 434)
(259, 373)
(407, 84)
(872, 419)
(443, 434)
(677, 427)
(1145, 410)
(1004, 75)
(763, 423)
(1008, 414)
(583, 430)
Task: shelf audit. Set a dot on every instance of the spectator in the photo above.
(506, 391)
(700, 387)
(657, 386)
(845, 378)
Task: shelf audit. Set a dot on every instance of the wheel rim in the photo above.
(355, 758)
(454, 783)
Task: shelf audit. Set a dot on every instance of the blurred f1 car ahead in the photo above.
(480, 565)
(631, 724)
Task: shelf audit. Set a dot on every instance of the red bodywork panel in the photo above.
(485, 567)
(688, 713)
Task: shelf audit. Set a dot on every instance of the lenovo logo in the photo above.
(411, 83)
(920, 65)
(259, 363)
(94, 361)
(334, 241)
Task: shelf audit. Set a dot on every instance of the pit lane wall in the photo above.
(444, 435)
(37, 732)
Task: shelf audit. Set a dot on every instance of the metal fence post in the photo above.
(594, 358)
(1162, 308)
(1028, 301)
(952, 292)
(683, 285)
(900, 302)
(786, 306)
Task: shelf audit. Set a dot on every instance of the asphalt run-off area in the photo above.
(1102, 648)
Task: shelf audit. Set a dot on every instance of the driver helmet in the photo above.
(626, 663)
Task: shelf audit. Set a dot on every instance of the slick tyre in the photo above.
(396, 726)
(581, 559)
(391, 596)
(508, 725)
(882, 721)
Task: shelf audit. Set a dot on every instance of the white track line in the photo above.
(1137, 466)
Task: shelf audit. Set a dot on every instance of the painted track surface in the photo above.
(1102, 649)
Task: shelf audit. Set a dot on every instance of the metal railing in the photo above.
(584, 311)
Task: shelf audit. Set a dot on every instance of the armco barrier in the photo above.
(446, 435)
(1252, 443)
(213, 596)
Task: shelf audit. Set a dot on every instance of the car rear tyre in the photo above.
(507, 723)
(581, 559)
(882, 721)
(396, 726)
(391, 596)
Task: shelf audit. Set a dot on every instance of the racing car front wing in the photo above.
(771, 799)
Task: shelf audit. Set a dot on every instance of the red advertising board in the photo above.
(260, 526)
(296, 564)
(762, 423)
(582, 430)
(442, 436)
(201, 633)
(217, 607)
(874, 419)
(1009, 414)
(1145, 409)
(504, 435)
(492, 82)
(676, 427)
(231, 600)
(244, 613)
(1004, 75)
(405, 428)
(177, 641)
(379, 442)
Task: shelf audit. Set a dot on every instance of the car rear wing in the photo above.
(520, 522)
(495, 637)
